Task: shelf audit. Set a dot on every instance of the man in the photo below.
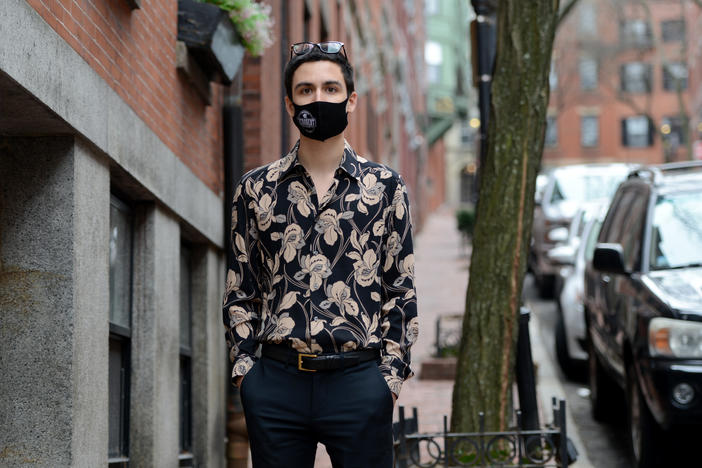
(323, 279)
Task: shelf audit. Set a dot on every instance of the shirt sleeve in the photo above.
(400, 325)
(242, 299)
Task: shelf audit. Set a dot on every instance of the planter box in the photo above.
(211, 39)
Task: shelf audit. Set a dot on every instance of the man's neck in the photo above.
(321, 157)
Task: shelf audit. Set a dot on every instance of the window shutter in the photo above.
(622, 77)
(625, 140)
(651, 131)
(649, 78)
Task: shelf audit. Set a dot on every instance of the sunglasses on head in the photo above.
(330, 47)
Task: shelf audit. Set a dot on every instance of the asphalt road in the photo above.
(604, 444)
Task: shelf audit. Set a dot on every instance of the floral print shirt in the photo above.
(323, 276)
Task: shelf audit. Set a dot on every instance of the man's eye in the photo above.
(331, 90)
(306, 91)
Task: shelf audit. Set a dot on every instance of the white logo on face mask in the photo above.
(306, 120)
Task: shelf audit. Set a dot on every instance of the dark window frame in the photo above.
(597, 140)
(625, 134)
(122, 336)
(673, 30)
(185, 437)
(551, 130)
(669, 81)
(647, 79)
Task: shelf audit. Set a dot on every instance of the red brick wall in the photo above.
(568, 102)
(134, 52)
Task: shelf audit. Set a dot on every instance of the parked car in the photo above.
(566, 188)
(643, 300)
(570, 333)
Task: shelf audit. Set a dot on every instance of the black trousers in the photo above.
(289, 411)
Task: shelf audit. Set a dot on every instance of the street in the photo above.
(600, 445)
(604, 445)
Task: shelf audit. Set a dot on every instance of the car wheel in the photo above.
(603, 390)
(644, 432)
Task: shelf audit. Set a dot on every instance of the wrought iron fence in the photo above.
(548, 447)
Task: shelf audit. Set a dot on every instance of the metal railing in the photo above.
(513, 448)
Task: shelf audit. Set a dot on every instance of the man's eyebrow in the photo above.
(326, 83)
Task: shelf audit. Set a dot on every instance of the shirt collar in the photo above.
(349, 161)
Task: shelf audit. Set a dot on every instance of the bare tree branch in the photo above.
(569, 6)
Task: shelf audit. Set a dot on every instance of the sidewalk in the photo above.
(441, 268)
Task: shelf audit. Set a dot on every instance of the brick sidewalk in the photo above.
(441, 269)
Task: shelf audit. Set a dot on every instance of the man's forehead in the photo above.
(320, 71)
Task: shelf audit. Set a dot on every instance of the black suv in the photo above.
(643, 300)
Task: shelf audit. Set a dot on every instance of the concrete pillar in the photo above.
(54, 266)
(154, 423)
(209, 358)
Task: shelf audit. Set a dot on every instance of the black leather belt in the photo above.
(318, 362)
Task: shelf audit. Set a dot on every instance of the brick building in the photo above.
(693, 13)
(116, 158)
(614, 84)
(385, 43)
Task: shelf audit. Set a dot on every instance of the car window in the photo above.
(592, 239)
(612, 228)
(676, 236)
(632, 230)
(580, 186)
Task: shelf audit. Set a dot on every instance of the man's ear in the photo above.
(351, 105)
(289, 107)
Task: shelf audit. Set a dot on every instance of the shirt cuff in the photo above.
(388, 367)
(242, 365)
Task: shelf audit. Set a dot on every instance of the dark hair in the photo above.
(316, 55)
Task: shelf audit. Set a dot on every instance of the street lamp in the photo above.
(483, 31)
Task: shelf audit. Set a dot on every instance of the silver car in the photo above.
(573, 255)
(565, 190)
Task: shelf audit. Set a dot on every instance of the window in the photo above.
(635, 33)
(673, 30)
(587, 19)
(589, 131)
(433, 56)
(121, 250)
(186, 306)
(674, 75)
(587, 68)
(635, 77)
(467, 133)
(673, 130)
(637, 132)
(553, 76)
(551, 138)
(431, 7)
(632, 231)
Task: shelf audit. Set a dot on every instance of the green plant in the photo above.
(252, 20)
(466, 221)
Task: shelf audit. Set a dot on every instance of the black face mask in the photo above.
(320, 120)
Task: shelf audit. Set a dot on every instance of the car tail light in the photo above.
(675, 338)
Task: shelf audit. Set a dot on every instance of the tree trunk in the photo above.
(520, 92)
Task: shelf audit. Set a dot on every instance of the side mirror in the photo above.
(559, 234)
(609, 258)
(562, 254)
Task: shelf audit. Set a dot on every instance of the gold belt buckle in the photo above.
(299, 362)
